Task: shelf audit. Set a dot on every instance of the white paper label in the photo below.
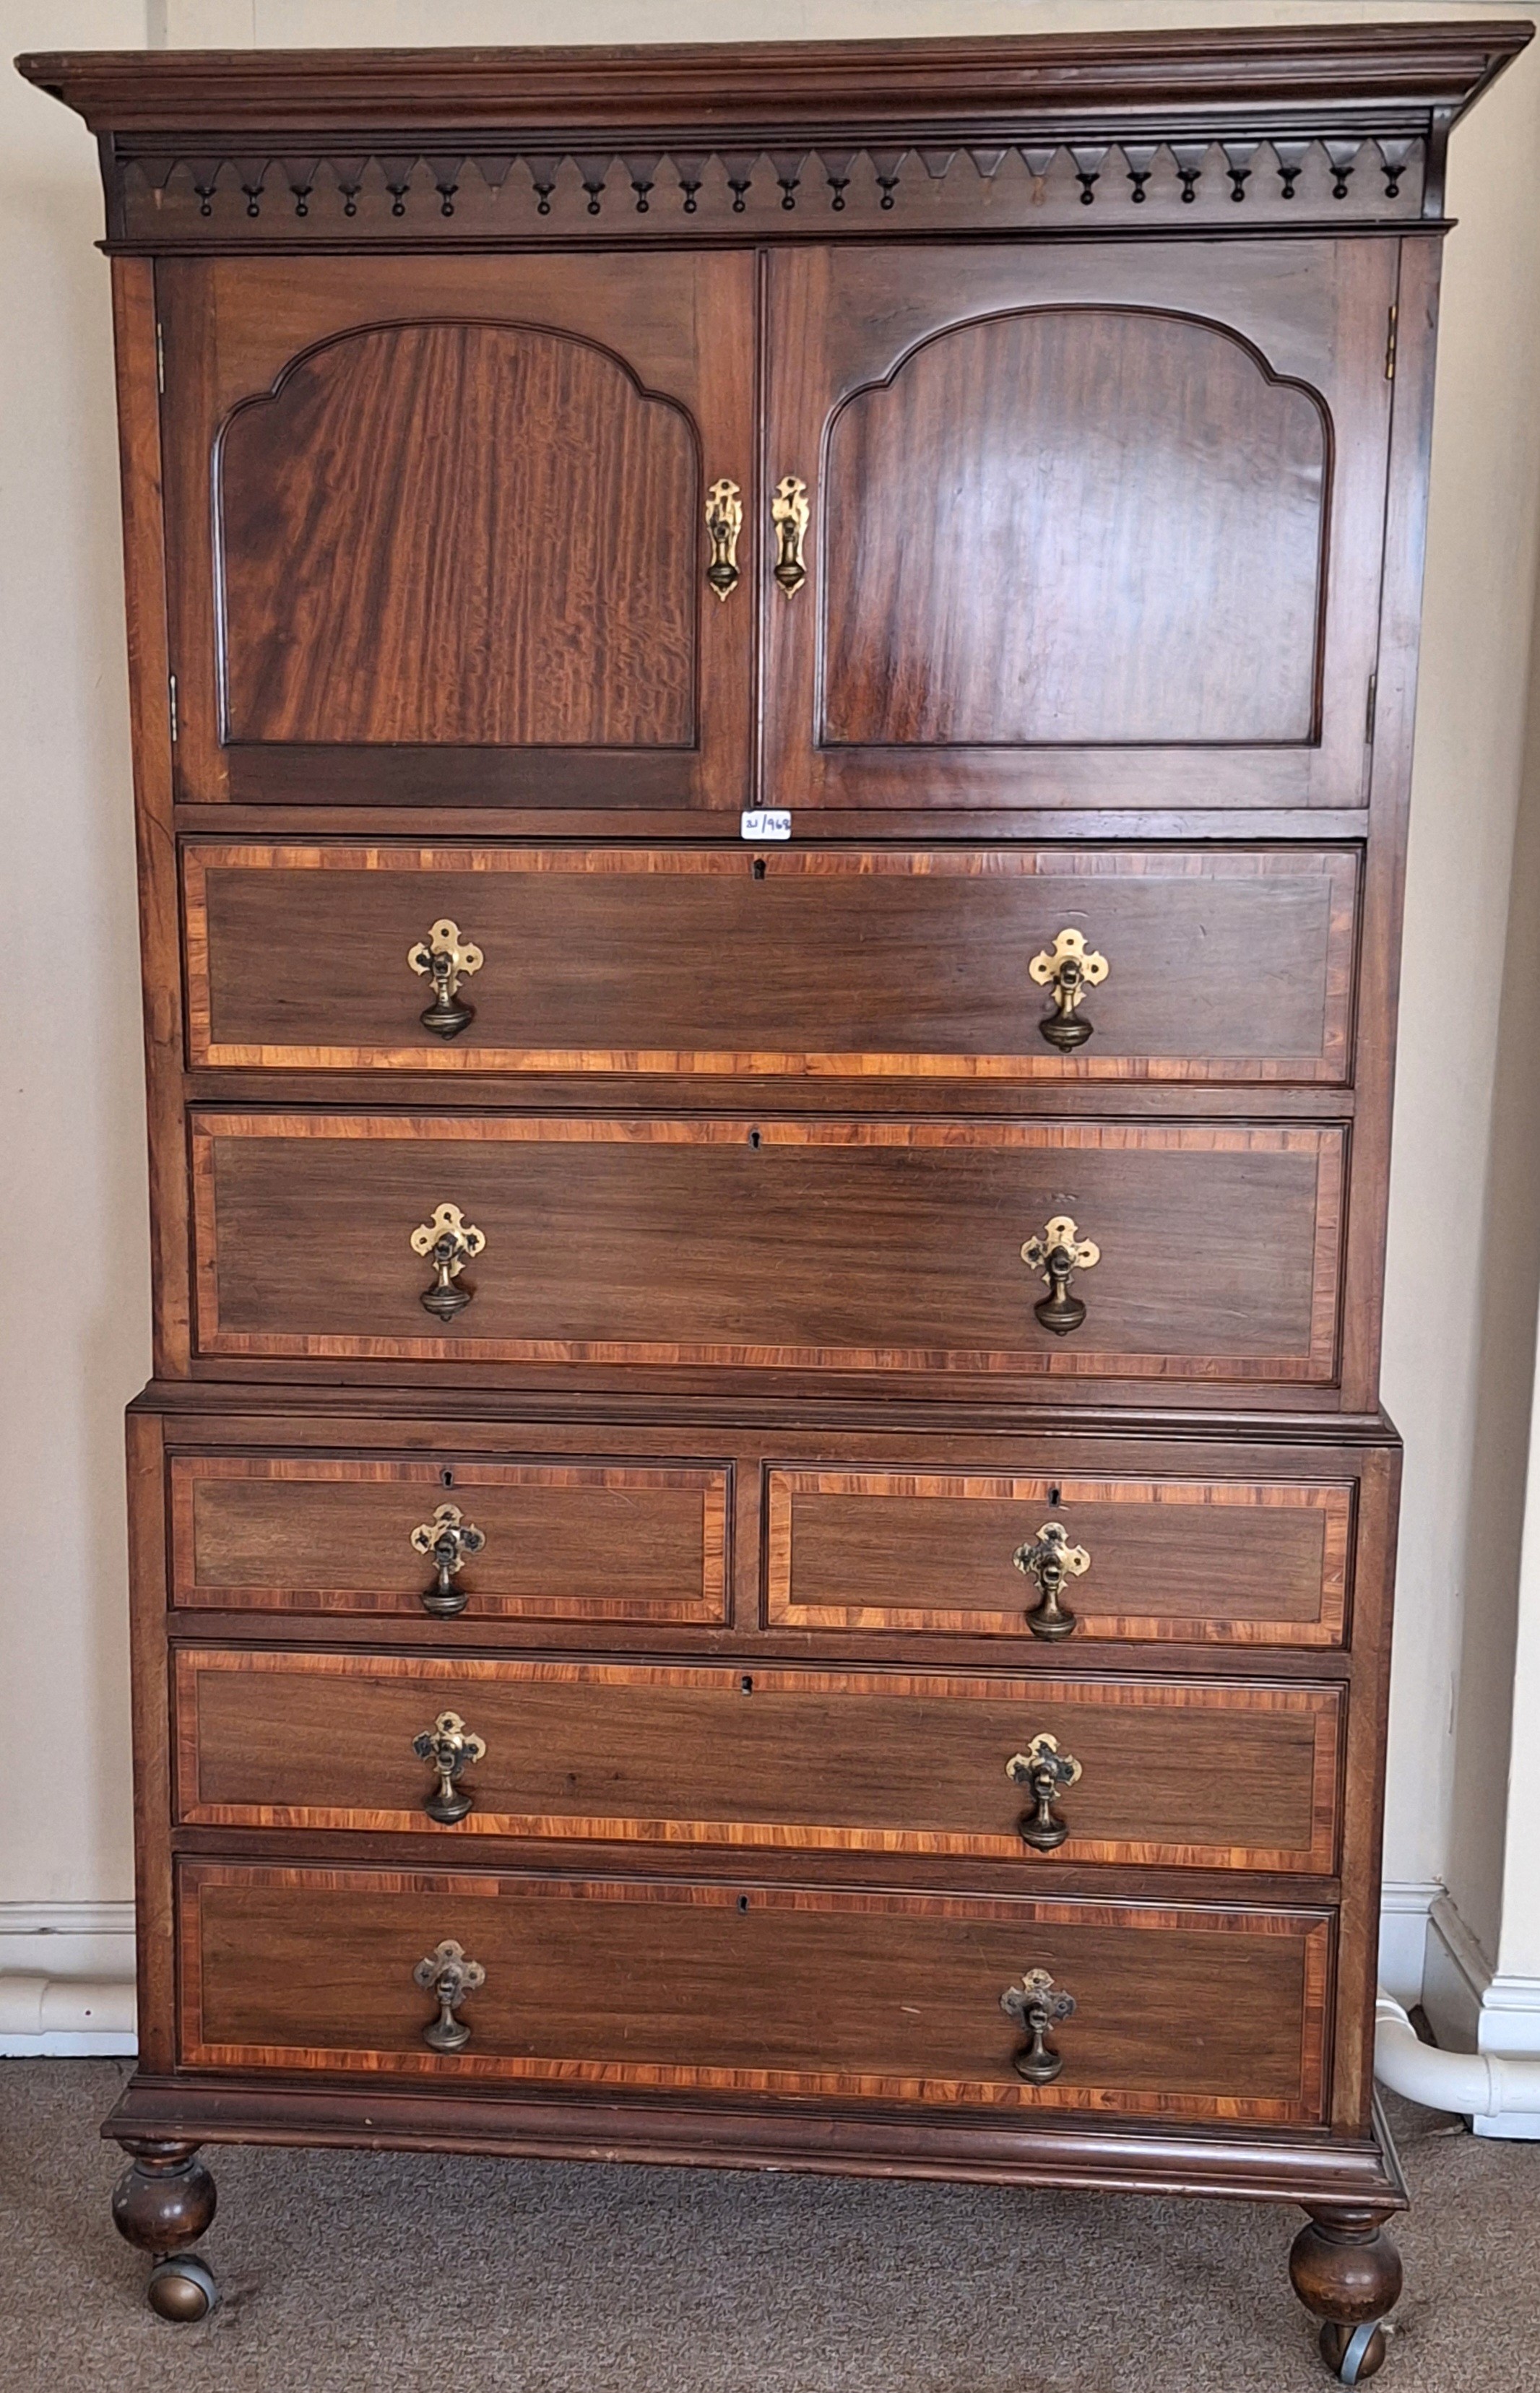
(758, 822)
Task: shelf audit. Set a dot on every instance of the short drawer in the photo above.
(876, 1247)
(1230, 1562)
(736, 1989)
(548, 1540)
(1155, 1772)
(1230, 965)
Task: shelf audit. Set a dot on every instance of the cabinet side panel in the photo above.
(151, 1720)
(149, 715)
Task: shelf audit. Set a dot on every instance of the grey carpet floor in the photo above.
(397, 2274)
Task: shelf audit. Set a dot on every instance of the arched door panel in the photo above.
(1069, 548)
(441, 536)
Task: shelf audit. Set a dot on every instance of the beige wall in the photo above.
(1460, 1332)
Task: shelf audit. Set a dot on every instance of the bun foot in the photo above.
(1346, 2269)
(163, 2201)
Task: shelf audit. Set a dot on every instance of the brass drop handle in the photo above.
(445, 963)
(1038, 2005)
(445, 1540)
(723, 523)
(789, 517)
(448, 1241)
(1068, 968)
(1043, 1770)
(448, 1744)
(449, 1978)
(1055, 1254)
(1050, 1559)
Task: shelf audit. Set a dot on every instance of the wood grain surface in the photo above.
(565, 1540)
(1193, 2013)
(482, 534)
(1169, 598)
(1006, 614)
(1228, 966)
(1174, 1775)
(437, 527)
(865, 1244)
(1222, 1561)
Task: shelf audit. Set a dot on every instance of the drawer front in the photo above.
(1231, 966)
(878, 1247)
(558, 1540)
(1182, 2012)
(1226, 1561)
(1173, 1775)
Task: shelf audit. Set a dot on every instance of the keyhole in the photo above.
(759, 868)
(447, 1477)
(753, 1138)
(743, 1903)
(746, 1686)
(1054, 1500)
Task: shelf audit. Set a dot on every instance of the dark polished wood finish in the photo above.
(1196, 645)
(1198, 2014)
(1233, 965)
(1081, 390)
(1174, 1775)
(563, 1541)
(714, 1243)
(554, 423)
(1235, 1562)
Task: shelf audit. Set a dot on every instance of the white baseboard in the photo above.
(1404, 1905)
(66, 1981)
(1473, 2007)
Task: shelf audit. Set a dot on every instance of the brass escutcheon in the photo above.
(789, 515)
(1050, 1559)
(723, 523)
(449, 1241)
(448, 1744)
(447, 1539)
(1068, 968)
(1038, 2005)
(1043, 1769)
(441, 956)
(449, 1978)
(1054, 1255)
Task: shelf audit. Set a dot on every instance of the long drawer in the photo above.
(1180, 2011)
(545, 1540)
(1221, 965)
(1161, 1773)
(873, 1246)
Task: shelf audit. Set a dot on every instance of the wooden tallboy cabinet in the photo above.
(772, 702)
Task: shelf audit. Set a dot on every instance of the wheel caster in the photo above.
(1353, 2353)
(182, 2288)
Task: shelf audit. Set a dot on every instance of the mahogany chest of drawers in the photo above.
(772, 703)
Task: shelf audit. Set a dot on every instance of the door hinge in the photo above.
(1369, 707)
(1390, 348)
(159, 357)
(171, 694)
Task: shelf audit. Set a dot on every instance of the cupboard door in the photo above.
(1086, 527)
(437, 528)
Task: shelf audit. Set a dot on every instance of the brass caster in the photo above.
(1353, 2353)
(182, 2288)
